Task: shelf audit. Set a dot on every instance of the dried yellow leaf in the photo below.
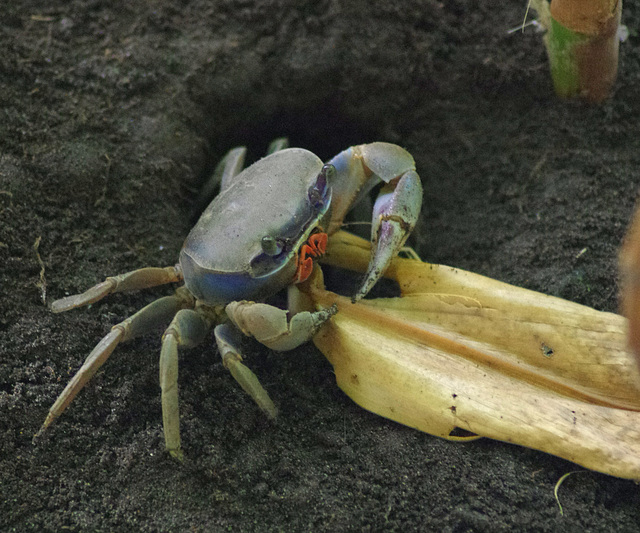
(462, 351)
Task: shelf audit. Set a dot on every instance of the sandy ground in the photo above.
(112, 115)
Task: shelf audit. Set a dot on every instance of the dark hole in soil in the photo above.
(322, 129)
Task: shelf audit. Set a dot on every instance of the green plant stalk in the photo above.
(561, 44)
(582, 45)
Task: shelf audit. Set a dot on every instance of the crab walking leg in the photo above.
(278, 144)
(271, 327)
(397, 207)
(229, 166)
(142, 278)
(227, 338)
(188, 328)
(143, 321)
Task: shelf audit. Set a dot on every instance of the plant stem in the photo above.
(582, 44)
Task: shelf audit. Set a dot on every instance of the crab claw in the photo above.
(394, 216)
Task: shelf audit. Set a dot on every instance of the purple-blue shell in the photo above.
(223, 259)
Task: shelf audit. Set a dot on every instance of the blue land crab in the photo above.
(260, 235)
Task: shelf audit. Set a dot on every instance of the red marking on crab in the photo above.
(315, 247)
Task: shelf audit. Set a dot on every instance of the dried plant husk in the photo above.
(462, 354)
(629, 261)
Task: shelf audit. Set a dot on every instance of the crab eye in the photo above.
(329, 172)
(270, 245)
(318, 190)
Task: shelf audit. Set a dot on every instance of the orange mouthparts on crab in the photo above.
(314, 248)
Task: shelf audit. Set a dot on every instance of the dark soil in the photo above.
(112, 115)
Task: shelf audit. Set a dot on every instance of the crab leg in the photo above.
(228, 167)
(397, 207)
(271, 326)
(142, 278)
(145, 320)
(278, 144)
(188, 328)
(227, 338)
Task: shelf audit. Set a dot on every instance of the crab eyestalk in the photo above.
(582, 45)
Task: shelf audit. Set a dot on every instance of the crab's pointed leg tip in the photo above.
(367, 285)
(177, 455)
(391, 235)
(40, 433)
(376, 268)
(58, 306)
(48, 421)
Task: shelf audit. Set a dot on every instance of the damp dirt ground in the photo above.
(114, 112)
